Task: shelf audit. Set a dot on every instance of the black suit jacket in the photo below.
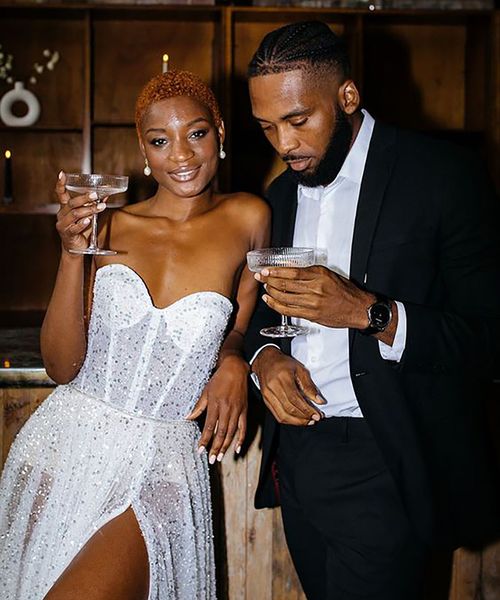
(423, 235)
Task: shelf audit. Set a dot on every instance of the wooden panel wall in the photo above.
(128, 53)
(29, 246)
(421, 69)
(37, 158)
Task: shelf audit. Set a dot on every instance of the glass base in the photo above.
(98, 251)
(284, 331)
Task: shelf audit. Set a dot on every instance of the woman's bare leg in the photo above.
(113, 565)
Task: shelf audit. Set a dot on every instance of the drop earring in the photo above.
(147, 168)
(222, 154)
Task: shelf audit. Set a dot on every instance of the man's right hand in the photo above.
(287, 388)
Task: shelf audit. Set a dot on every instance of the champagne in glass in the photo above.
(281, 257)
(103, 186)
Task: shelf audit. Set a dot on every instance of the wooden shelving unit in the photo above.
(428, 70)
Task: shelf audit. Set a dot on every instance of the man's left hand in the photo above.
(316, 294)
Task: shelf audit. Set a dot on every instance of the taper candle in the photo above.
(164, 64)
(7, 178)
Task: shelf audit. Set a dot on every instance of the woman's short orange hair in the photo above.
(176, 83)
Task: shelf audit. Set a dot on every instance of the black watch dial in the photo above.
(380, 315)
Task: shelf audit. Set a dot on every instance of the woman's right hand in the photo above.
(74, 217)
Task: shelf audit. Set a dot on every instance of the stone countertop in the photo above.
(20, 359)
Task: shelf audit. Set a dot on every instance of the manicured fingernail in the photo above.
(60, 176)
(320, 399)
(212, 459)
(93, 195)
(238, 449)
(86, 221)
(311, 422)
(201, 449)
(265, 298)
(315, 417)
(101, 206)
(220, 456)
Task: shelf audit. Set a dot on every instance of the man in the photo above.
(373, 437)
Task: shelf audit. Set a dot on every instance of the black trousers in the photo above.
(345, 524)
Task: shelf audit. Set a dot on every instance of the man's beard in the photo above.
(334, 157)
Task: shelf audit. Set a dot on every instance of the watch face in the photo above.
(380, 315)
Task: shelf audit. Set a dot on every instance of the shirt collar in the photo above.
(354, 163)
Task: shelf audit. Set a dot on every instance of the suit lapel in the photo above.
(379, 164)
(285, 227)
(286, 211)
(290, 229)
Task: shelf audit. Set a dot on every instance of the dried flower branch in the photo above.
(48, 62)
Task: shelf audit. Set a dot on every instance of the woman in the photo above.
(105, 493)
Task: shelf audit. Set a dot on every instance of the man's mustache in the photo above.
(292, 157)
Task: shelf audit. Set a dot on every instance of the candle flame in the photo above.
(164, 64)
(8, 154)
(6, 364)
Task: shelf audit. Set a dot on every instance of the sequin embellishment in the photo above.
(116, 437)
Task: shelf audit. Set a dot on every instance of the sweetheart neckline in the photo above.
(148, 293)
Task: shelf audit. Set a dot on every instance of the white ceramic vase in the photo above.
(19, 94)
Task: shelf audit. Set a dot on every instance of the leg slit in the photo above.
(112, 565)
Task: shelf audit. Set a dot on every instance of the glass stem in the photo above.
(93, 233)
(284, 321)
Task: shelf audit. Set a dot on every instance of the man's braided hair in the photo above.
(307, 45)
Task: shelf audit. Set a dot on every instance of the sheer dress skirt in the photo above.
(78, 463)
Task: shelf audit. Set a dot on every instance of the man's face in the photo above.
(300, 117)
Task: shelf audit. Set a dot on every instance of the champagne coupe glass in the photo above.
(281, 257)
(102, 185)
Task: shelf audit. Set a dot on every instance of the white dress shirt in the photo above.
(325, 220)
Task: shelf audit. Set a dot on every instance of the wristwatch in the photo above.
(379, 316)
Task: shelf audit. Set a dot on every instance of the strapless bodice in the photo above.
(145, 360)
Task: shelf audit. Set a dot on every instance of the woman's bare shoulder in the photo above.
(252, 215)
(250, 207)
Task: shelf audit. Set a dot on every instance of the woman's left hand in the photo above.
(225, 400)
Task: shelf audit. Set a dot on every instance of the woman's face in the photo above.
(181, 143)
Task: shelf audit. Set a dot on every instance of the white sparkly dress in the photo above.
(116, 437)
